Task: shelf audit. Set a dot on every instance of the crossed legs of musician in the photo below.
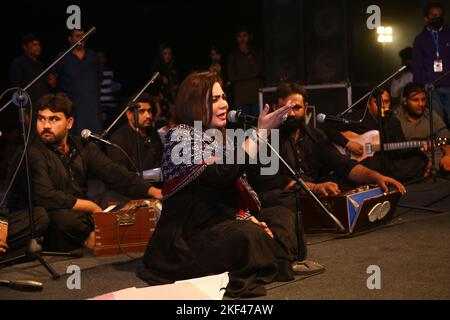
(69, 230)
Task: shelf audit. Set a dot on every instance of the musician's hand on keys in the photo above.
(326, 188)
(355, 147)
(383, 182)
(263, 225)
(155, 193)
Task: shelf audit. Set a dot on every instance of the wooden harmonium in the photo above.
(358, 209)
(123, 228)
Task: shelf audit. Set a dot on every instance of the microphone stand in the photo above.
(430, 89)
(378, 93)
(135, 107)
(370, 92)
(300, 184)
(34, 250)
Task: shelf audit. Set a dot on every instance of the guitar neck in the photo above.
(402, 145)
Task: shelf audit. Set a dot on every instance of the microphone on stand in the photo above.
(87, 134)
(322, 118)
(236, 116)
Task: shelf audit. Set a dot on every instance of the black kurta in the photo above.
(198, 235)
(57, 182)
(150, 147)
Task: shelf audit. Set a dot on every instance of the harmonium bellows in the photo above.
(123, 228)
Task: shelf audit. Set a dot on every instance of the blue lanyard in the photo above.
(435, 35)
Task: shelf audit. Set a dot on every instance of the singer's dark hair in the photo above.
(194, 98)
(433, 4)
(284, 90)
(413, 88)
(59, 102)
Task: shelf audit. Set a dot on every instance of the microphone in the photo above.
(86, 134)
(322, 118)
(235, 116)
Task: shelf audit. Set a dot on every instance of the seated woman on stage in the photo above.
(204, 228)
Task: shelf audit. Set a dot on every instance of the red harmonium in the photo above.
(126, 228)
(359, 209)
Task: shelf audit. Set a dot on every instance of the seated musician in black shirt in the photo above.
(149, 140)
(60, 167)
(405, 165)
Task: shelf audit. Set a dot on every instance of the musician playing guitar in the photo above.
(415, 121)
(404, 165)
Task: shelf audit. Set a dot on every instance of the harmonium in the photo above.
(357, 210)
(123, 228)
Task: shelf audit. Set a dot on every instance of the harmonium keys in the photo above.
(123, 228)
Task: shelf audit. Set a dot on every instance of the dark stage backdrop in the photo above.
(304, 40)
(130, 33)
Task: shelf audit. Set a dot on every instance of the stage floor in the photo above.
(412, 252)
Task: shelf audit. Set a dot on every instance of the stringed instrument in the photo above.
(371, 142)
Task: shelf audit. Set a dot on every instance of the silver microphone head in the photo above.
(85, 134)
(321, 117)
(233, 116)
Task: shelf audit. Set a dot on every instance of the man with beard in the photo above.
(61, 165)
(308, 149)
(150, 145)
(414, 118)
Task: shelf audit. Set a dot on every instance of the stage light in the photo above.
(384, 34)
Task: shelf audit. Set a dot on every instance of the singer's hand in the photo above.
(3, 247)
(355, 147)
(155, 193)
(274, 119)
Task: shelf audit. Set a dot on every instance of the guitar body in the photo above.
(368, 140)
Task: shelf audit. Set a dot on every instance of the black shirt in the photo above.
(150, 146)
(313, 153)
(23, 70)
(58, 180)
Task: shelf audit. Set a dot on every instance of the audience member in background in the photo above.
(245, 71)
(79, 75)
(167, 83)
(27, 67)
(431, 57)
(402, 79)
(414, 118)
